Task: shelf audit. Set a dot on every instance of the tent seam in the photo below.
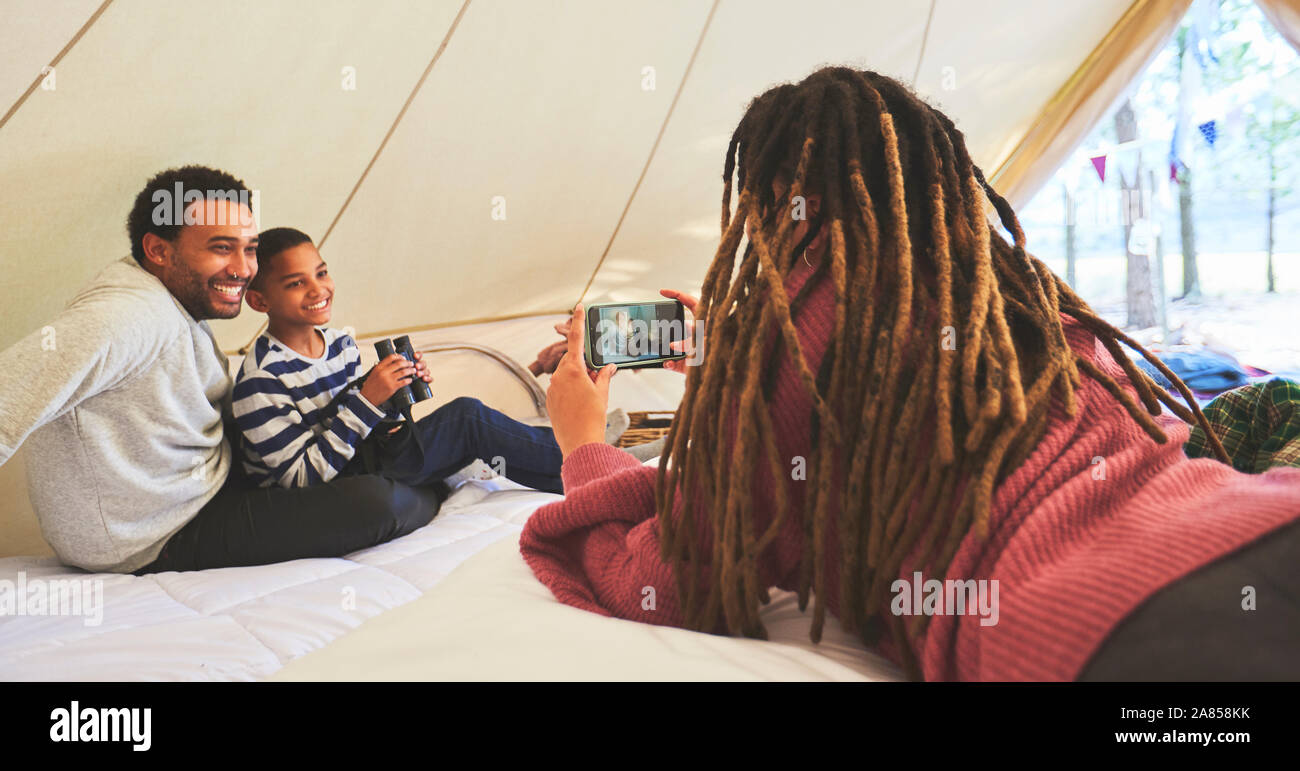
(690, 64)
(925, 38)
(55, 62)
(382, 144)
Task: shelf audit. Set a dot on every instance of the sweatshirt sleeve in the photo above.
(94, 345)
(271, 423)
(598, 549)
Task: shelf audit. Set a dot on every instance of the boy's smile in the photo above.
(319, 305)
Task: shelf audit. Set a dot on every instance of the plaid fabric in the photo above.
(1258, 424)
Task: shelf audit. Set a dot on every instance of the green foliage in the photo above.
(1260, 68)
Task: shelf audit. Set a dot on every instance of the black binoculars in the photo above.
(407, 395)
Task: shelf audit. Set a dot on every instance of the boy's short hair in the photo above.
(154, 210)
(270, 243)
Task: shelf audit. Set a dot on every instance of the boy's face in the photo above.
(297, 288)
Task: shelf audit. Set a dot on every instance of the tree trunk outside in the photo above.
(1139, 287)
(1272, 175)
(1162, 295)
(1272, 209)
(1187, 226)
(1191, 281)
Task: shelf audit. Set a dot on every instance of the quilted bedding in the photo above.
(240, 623)
(491, 620)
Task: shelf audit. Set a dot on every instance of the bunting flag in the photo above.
(1173, 155)
(1099, 163)
(1210, 131)
(1176, 165)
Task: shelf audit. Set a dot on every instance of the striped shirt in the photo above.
(279, 401)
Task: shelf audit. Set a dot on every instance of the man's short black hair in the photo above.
(270, 243)
(158, 198)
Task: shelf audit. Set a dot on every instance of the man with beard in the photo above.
(123, 398)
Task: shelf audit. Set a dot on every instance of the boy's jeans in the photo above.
(464, 429)
(245, 525)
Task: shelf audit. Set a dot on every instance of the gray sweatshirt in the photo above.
(120, 400)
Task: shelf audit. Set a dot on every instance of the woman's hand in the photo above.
(577, 397)
(687, 345)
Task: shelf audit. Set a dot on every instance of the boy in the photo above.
(293, 437)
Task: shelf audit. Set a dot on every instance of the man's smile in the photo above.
(230, 291)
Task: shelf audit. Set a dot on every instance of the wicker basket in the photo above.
(645, 427)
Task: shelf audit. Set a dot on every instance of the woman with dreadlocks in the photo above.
(890, 387)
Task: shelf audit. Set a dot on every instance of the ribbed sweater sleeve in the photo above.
(92, 346)
(598, 549)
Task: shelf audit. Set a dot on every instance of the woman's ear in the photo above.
(820, 240)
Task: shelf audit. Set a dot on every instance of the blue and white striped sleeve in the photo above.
(277, 431)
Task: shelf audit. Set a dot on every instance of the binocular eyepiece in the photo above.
(407, 395)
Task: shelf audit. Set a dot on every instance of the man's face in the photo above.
(208, 266)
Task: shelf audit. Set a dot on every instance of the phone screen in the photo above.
(634, 334)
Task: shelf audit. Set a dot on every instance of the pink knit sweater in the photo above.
(1073, 552)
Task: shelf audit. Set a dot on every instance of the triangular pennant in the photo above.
(1210, 131)
(1178, 170)
(1099, 163)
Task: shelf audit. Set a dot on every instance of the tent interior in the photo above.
(471, 169)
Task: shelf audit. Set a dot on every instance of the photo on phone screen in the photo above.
(634, 334)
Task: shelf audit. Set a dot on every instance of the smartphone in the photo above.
(634, 335)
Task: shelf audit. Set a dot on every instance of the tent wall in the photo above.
(973, 60)
(462, 110)
(539, 106)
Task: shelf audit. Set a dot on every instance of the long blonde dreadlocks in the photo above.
(896, 414)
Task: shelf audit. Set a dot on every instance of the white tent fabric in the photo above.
(543, 109)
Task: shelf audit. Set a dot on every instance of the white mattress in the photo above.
(248, 623)
(491, 620)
